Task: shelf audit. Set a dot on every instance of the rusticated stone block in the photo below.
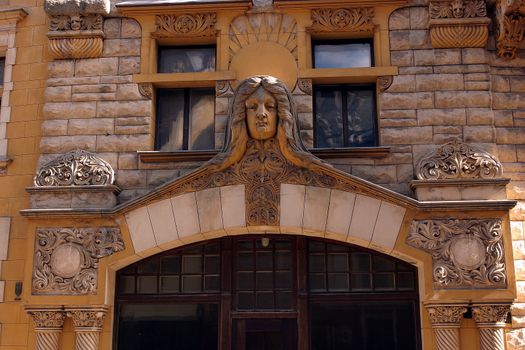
(447, 129)
(69, 110)
(402, 58)
(517, 84)
(441, 116)
(130, 28)
(73, 81)
(128, 92)
(412, 135)
(398, 113)
(96, 66)
(112, 28)
(503, 118)
(61, 69)
(376, 174)
(129, 65)
(500, 83)
(121, 47)
(405, 173)
(486, 133)
(397, 122)
(54, 127)
(418, 18)
(124, 108)
(510, 135)
(132, 129)
(453, 99)
(63, 144)
(97, 126)
(432, 82)
(416, 70)
(127, 161)
(97, 88)
(413, 100)
(507, 153)
(516, 230)
(132, 121)
(480, 116)
(419, 39)
(399, 40)
(508, 100)
(403, 83)
(58, 93)
(122, 143)
(474, 55)
(477, 85)
(110, 96)
(399, 20)
(131, 178)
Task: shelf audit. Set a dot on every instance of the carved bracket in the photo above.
(458, 23)
(186, 25)
(66, 259)
(356, 19)
(146, 90)
(510, 27)
(465, 253)
(384, 82)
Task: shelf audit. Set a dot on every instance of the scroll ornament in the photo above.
(465, 253)
(66, 259)
(456, 160)
(510, 27)
(357, 19)
(76, 168)
(186, 25)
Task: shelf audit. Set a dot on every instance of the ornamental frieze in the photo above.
(357, 19)
(509, 27)
(465, 253)
(66, 259)
(457, 9)
(75, 168)
(457, 160)
(186, 25)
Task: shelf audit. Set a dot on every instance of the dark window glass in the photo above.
(166, 326)
(342, 54)
(366, 326)
(344, 116)
(185, 119)
(2, 69)
(186, 59)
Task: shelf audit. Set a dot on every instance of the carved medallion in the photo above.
(456, 160)
(465, 253)
(66, 259)
(76, 168)
(186, 25)
(358, 19)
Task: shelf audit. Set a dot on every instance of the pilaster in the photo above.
(490, 320)
(445, 319)
(49, 323)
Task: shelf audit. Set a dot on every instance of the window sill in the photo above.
(193, 79)
(323, 153)
(346, 75)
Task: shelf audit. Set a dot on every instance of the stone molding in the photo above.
(458, 23)
(509, 27)
(76, 27)
(75, 168)
(447, 240)
(66, 259)
(458, 160)
(354, 19)
(186, 25)
(445, 319)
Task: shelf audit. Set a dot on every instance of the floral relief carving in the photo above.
(446, 314)
(66, 259)
(75, 168)
(496, 313)
(87, 318)
(222, 88)
(458, 9)
(186, 25)
(45, 318)
(509, 28)
(77, 22)
(465, 253)
(357, 19)
(384, 82)
(457, 160)
(305, 85)
(146, 90)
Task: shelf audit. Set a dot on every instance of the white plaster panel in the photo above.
(2, 291)
(316, 202)
(186, 215)
(364, 217)
(388, 224)
(292, 205)
(140, 229)
(5, 224)
(163, 221)
(340, 211)
(233, 206)
(209, 209)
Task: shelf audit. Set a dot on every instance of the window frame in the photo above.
(184, 47)
(342, 42)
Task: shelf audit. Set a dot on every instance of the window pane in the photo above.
(170, 265)
(361, 117)
(328, 119)
(186, 59)
(191, 284)
(169, 284)
(342, 55)
(147, 284)
(127, 284)
(202, 115)
(191, 264)
(2, 68)
(170, 120)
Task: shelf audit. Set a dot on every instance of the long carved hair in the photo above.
(288, 135)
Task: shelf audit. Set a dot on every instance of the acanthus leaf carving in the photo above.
(457, 9)
(186, 25)
(491, 313)
(48, 318)
(77, 22)
(87, 318)
(446, 314)
(75, 168)
(355, 19)
(509, 28)
(83, 247)
(456, 160)
(146, 90)
(465, 253)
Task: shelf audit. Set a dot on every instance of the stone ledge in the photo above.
(461, 189)
(75, 197)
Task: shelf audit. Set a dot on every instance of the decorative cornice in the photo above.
(355, 19)
(48, 318)
(457, 9)
(186, 25)
(445, 314)
(510, 27)
(465, 253)
(12, 15)
(75, 168)
(82, 247)
(87, 318)
(456, 160)
(490, 313)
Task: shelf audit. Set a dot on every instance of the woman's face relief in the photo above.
(261, 114)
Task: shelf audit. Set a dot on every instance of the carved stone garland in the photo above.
(48, 327)
(455, 160)
(458, 23)
(490, 320)
(445, 321)
(465, 253)
(510, 27)
(186, 25)
(66, 259)
(357, 19)
(75, 168)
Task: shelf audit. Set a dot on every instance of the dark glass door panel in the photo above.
(265, 334)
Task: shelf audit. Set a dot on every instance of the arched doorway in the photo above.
(267, 292)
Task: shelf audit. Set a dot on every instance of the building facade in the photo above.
(310, 174)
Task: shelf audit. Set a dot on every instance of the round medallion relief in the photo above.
(67, 260)
(467, 252)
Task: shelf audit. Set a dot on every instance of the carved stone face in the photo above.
(261, 114)
(75, 23)
(458, 8)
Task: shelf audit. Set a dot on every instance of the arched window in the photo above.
(267, 292)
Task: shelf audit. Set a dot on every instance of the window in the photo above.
(344, 116)
(186, 59)
(342, 54)
(185, 119)
(2, 68)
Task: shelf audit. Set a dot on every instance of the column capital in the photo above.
(47, 317)
(491, 314)
(446, 315)
(88, 318)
